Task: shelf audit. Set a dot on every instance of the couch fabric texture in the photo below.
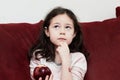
(101, 39)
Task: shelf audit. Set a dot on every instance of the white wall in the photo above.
(33, 11)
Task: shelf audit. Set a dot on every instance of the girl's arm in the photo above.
(64, 54)
(66, 70)
(75, 70)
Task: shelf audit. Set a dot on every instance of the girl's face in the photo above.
(61, 29)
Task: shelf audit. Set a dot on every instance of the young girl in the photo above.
(59, 47)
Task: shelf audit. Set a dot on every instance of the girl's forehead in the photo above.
(62, 18)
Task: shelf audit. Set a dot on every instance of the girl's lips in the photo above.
(62, 39)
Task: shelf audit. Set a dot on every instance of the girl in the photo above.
(59, 47)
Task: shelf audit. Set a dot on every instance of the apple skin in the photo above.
(41, 71)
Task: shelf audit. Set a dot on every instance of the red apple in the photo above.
(41, 71)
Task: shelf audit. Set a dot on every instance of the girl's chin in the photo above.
(60, 42)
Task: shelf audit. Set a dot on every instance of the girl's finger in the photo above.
(47, 77)
(51, 77)
(40, 78)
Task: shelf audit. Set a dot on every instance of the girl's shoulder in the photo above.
(34, 62)
(37, 54)
(77, 55)
(78, 58)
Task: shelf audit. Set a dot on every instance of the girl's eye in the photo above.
(68, 27)
(56, 26)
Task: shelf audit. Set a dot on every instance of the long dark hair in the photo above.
(45, 48)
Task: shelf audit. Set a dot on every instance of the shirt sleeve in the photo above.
(79, 66)
(33, 64)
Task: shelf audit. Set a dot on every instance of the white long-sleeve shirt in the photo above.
(78, 66)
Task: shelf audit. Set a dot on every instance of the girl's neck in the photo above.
(57, 59)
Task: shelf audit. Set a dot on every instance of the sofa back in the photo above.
(15, 42)
(102, 40)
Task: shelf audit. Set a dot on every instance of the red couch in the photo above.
(101, 39)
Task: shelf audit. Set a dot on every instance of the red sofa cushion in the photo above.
(118, 11)
(15, 41)
(102, 39)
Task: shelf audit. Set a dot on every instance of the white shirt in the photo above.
(78, 66)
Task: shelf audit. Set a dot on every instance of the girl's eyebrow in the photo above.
(69, 24)
(65, 24)
(55, 23)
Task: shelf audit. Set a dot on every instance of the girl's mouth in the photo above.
(61, 39)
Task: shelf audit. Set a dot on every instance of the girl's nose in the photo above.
(62, 31)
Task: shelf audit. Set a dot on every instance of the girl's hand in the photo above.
(47, 77)
(64, 53)
(63, 50)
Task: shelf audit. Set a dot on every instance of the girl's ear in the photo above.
(47, 32)
(74, 35)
